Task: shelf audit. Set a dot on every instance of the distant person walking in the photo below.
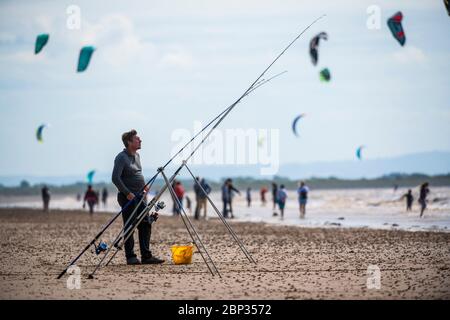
(201, 197)
(188, 203)
(105, 196)
(282, 197)
(263, 192)
(232, 190)
(91, 198)
(274, 197)
(45, 197)
(179, 192)
(302, 191)
(409, 200)
(197, 191)
(424, 190)
(98, 198)
(249, 197)
(227, 197)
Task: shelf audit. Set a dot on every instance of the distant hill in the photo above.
(427, 163)
(387, 181)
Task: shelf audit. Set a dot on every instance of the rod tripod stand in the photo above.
(136, 217)
(129, 228)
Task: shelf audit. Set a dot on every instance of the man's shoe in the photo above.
(133, 261)
(152, 260)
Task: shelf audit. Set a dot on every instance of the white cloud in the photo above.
(119, 44)
(43, 24)
(22, 57)
(7, 38)
(112, 27)
(116, 37)
(178, 58)
(410, 54)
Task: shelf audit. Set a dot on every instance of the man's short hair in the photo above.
(128, 136)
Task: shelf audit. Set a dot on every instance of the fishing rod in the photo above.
(222, 218)
(229, 109)
(100, 233)
(221, 116)
(148, 184)
(192, 231)
(251, 86)
(127, 232)
(139, 219)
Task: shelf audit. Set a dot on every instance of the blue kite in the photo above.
(41, 41)
(85, 58)
(358, 152)
(294, 123)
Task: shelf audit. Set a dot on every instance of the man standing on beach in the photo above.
(302, 198)
(424, 190)
(274, 197)
(228, 191)
(263, 196)
(409, 199)
(249, 197)
(179, 193)
(201, 197)
(127, 177)
(225, 200)
(104, 196)
(45, 197)
(231, 191)
(91, 198)
(282, 197)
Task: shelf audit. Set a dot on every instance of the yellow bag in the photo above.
(182, 254)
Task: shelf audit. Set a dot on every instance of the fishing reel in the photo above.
(154, 216)
(102, 246)
(159, 206)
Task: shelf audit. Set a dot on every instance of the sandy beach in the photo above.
(292, 262)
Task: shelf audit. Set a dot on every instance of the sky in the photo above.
(160, 66)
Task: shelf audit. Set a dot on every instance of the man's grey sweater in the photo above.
(127, 173)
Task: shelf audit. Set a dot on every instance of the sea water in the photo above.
(349, 208)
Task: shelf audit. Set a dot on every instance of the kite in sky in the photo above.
(41, 41)
(395, 25)
(39, 132)
(90, 176)
(294, 123)
(325, 75)
(314, 46)
(85, 58)
(358, 152)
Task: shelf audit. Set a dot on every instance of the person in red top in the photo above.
(179, 192)
(263, 196)
(91, 198)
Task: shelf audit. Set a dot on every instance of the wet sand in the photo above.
(293, 262)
